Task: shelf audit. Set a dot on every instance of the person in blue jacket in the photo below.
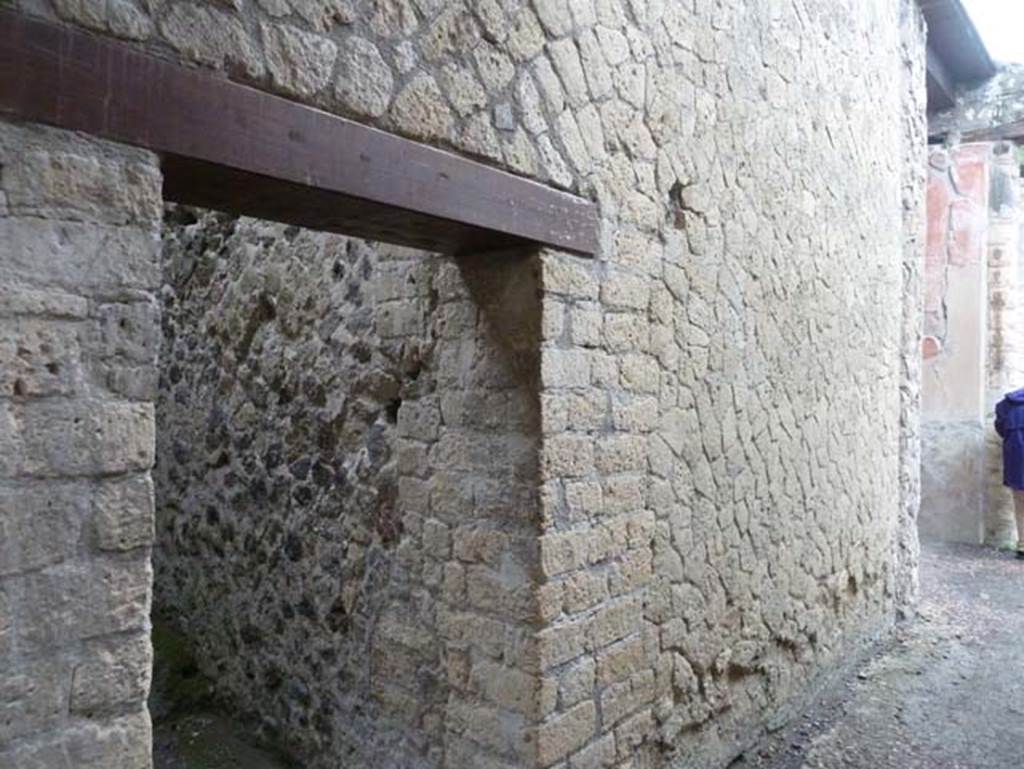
(1010, 426)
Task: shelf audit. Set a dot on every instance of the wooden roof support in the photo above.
(1012, 131)
(231, 147)
(953, 36)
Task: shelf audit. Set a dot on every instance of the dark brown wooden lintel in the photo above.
(235, 148)
(1012, 131)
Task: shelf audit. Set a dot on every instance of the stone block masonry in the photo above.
(907, 550)
(346, 484)
(525, 511)
(79, 336)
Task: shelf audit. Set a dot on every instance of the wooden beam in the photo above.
(235, 148)
(952, 33)
(1011, 131)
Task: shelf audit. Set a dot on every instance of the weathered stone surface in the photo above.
(31, 698)
(394, 18)
(123, 514)
(420, 110)
(88, 13)
(464, 91)
(565, 57)
(119, 17)
(63, 185)
(325, 430)
(554, 15)
(324, 15)
(128, 331)
(365, 82)
(40, 525)
(687, 468)
(39, 357)
(299, 62)
(112, 674)
(128, 21)
(78, 256)
(210, 36)
(82, 600)
(54, 439)
(495, 68)
(565, 733)
(18, 301)
(123, 742)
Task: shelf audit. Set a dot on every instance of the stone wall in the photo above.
(915, 215)
(346, 488)
(972, 343)
(538, 510)
(718, 532)
(954, 345)
(79, 335)
(1004, 363)
(719, 395)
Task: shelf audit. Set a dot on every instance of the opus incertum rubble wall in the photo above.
(347, 488)
(79, 333)
(533, 510)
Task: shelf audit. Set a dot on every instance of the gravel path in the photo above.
(946, 692)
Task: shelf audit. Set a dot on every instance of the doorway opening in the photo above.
(341, 427)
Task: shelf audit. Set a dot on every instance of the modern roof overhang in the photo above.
(234, 148)
(956, 53)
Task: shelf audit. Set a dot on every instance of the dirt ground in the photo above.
(945, 692)
(210, 741)
(190, 728)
